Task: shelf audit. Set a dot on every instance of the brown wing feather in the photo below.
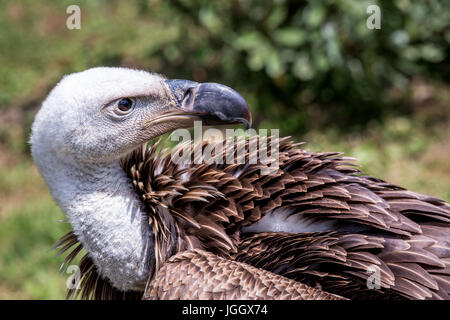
(324, 258)
(198, 274)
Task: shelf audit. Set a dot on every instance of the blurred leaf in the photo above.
(303, 68)
(249, 40)
(313, 15)
(276, 17)
(274, 65)
(432, 53)
(290, 37)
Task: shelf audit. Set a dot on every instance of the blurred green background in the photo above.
(310, 68)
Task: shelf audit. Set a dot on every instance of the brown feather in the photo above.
(199, 274)
(204, 206)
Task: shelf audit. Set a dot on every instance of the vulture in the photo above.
(147, 227)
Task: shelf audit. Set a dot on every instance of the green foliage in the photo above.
(28, 265)
(296, 55)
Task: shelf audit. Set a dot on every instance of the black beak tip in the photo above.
(214, 103)
(223, 103)
(247, 123)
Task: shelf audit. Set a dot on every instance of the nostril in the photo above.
(187, 96)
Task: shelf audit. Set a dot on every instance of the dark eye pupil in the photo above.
(125, 104)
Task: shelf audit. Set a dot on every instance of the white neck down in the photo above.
(107, 217)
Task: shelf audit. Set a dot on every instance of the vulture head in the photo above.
(98, 115)
(92, 119)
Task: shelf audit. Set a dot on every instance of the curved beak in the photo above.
(213, 103)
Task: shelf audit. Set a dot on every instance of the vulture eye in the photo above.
(124, 106)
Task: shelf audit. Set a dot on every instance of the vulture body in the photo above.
(315, 228)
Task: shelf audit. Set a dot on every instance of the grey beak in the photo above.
(214, 103)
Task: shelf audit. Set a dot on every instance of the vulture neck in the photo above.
(108, 219)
